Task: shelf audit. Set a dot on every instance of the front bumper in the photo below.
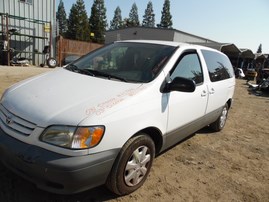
(54, 172)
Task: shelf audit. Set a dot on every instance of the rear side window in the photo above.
(219, 66)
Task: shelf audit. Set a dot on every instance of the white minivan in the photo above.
(103, 118)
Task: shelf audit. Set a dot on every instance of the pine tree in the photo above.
(166, 19)
(259, 49)
(133, 20)
(61, 18)
(78, 24)
(149, 17)
(116, 22)
(98, 22)
(126, 23)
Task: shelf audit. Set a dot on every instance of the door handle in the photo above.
(212, 91)
(203, 94)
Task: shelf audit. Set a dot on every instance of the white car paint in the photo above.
(63, 97)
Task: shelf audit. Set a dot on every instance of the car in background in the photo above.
(239, 73)
(262, 74)
(250, 74)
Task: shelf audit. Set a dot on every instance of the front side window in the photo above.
(189, 67)
(219, 66)
(130, 62)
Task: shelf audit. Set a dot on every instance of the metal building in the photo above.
(27, 28)
(153, 34)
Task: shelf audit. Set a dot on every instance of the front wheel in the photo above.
(132, 165)
(219, 124)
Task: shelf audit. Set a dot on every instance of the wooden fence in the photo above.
(66, 47)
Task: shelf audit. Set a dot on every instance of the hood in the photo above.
(65, 97)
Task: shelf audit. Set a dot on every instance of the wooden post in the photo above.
(60, 46)
(8, 41)
(50, 38)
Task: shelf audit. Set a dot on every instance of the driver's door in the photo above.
(186, 109)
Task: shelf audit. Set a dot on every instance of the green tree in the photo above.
(133, 20)
(98, 22)
(116, 22)
(61, 19)
(149, 17)
(259, 49)
(78, 24)
(166, 19)
(126, 23)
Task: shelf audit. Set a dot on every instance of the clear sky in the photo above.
(242, 22)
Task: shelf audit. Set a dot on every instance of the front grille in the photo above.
(15, 123)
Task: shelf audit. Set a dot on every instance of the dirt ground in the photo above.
(232, 165)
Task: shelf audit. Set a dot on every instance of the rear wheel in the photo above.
(219, 124)
(132, 165)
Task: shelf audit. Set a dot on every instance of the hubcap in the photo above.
(52, 62)
(223, 117)
(137, 166)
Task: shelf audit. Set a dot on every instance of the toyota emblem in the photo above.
(8, 120)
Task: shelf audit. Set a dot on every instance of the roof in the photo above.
(162, 29)
(169, 43)
(260, 56)
(247, 53)
(229, 48)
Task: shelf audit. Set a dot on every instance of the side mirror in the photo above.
(180, 84)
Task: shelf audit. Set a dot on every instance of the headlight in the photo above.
(73, 137)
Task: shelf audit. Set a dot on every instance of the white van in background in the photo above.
(103, 118)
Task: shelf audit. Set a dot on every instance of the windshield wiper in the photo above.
(102, 74)
(86, 71)
(72, 67)
(94, 73)
(110, 76)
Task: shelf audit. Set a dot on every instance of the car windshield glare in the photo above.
(126, 61)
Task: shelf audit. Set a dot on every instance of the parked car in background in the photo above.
(262, 74)
(239, 73)
(103, 118)
(250, 74)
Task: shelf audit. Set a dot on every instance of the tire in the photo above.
(52, 63)
(219, 124)
(132, 165)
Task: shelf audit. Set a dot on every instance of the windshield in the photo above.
(127, 62)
